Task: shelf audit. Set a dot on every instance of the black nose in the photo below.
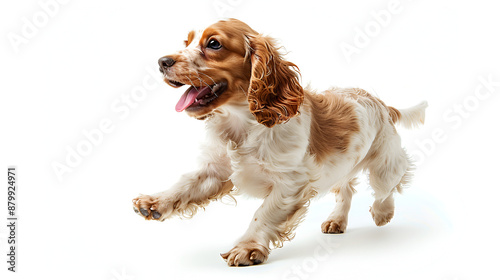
(166, 62)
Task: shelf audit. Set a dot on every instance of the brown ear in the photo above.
(274, 94)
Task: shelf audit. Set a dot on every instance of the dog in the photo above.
(271, 138)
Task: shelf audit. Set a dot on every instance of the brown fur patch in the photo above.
(207, 66)
(395, 114)
(275, 94)
(333, 122)
(190, 38)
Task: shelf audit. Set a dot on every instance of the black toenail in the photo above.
(135, 210)
(257, 262)
(144, 212)
(156, 215)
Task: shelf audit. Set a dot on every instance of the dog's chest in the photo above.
(255, 147)
(263, 156)
(252, 171)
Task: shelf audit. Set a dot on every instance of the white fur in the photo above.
(412, 117)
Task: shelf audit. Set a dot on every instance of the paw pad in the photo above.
(146, 206)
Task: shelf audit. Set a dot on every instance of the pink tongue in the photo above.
(189, 97)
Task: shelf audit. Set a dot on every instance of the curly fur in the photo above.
(275, 93)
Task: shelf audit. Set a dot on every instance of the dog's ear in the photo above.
(274, 94)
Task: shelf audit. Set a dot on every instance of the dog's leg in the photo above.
(389, 171)
(274, 222)
(337, 221)
(192, 191)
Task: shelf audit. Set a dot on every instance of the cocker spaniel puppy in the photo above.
(271, 138)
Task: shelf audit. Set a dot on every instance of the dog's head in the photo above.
(230, 63)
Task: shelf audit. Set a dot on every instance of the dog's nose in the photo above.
(166, 62)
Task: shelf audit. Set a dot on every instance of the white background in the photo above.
(66, 75)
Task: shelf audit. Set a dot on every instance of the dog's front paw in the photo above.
(148, 207)
(245, 254)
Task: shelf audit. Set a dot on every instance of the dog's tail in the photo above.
(410, 117)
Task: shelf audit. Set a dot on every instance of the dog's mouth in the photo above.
(195, 98)
(174, 83)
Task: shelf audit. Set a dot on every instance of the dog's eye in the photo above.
(214, 44)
